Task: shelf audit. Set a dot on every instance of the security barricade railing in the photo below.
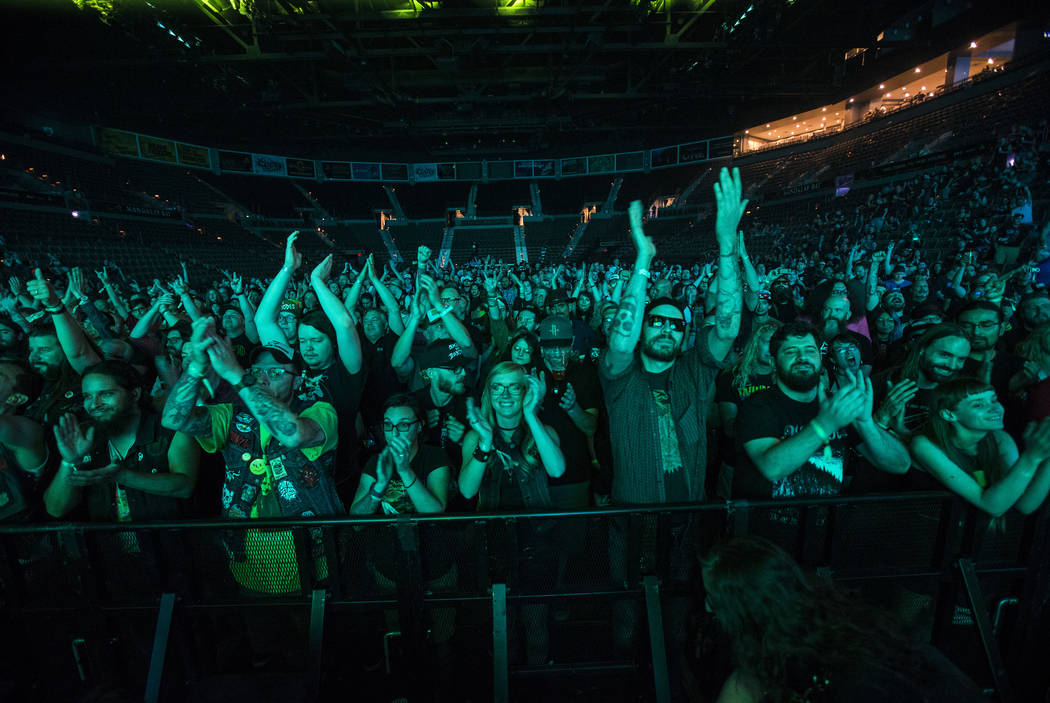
(631, 570)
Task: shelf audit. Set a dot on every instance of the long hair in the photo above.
(528, 442)
(910, 367)
(947, 396)
(789, 629)
(745, 367)
(1036, 346)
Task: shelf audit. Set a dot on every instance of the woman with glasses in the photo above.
(507, 457)
(406, 477)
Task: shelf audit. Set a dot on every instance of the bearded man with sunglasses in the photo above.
(658, 398)
(278, 439)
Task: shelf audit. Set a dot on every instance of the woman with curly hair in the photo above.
(797, 638)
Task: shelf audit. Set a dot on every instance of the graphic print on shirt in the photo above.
(670, 456)
(821, 475)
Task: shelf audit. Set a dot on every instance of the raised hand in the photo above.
(384, 470)
(535, 390)
(400, 449)
(178, 286)
(15, 284)
(1037, 440)
(731, 206)
(455, 429)
(236, 284)
(224, 361)
(202, 338)
(72, 441)
(40, 288)
(840, 409)
(896, 401)
(568, 398)
(480, 425)
(166, 303)
(643, 245)
(76, 282)
(292, 258)
(323, 270)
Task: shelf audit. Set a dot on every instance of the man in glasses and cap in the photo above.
(278, 439)
(443, 400)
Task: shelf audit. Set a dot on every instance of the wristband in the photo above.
(481, 456)
(415, 479)
(821, 432)
(372, 493)
(55, 309)
(644, 273)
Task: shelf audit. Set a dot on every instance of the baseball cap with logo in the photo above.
(293, 306)
(281, 352)
(555, 331)
(442, 354)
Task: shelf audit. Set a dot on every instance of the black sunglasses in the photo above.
(658, 321)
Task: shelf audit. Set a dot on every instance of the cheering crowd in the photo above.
(857, 363)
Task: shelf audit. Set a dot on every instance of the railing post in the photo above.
(500, 685)
(975, 596)
(317, 611)
(661, 679)
(160, 647)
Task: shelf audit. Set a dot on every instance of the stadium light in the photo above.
(973, 45)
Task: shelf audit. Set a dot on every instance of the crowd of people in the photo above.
(488, 386)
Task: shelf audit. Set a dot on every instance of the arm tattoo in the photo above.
(622, 333)
(728, 301)
(180, 410)
(282, 422)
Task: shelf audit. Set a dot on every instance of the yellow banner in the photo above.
(190, 155)
(116, 141)
(157, 149)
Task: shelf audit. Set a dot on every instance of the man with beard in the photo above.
(278, 440)
(12, 340)
(982, 321)
(61, 384)
(903, 393)
(794, 438)
(379, 331)
(123, 464)
(1032, 311)
(574, 388)
(835, 316)
(658, 398)
(443, 400)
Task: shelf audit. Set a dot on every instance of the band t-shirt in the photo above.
(770, 413)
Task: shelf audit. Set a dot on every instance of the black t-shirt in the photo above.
(574, 445)
(726, 392)
(242, 348)
(770, 413)
(395, 498)
(343, 391)
(918, 408)
(434, 432)
(382, 382)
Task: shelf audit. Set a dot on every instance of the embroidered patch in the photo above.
(248, 494)
(277, 467)
(227, 498)
(309, 476)
(287, 490)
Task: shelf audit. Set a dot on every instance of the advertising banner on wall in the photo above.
(336, 170)
(424, 172)
(158, 149)
(266, 165)
(190, 155)
(235, 161)
(300, 168)
(116, 141)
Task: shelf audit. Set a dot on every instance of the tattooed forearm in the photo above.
(286, 426)
(728, 300)
(623, 334)
(180, 411)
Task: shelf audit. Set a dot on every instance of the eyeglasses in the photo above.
(658, 321)
(273, 373)
(986, 325)
(450, 301)
(501, 388)
(402, 427)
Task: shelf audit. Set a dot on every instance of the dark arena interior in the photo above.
(411, 350)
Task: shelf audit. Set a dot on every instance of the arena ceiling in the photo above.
(460, 78)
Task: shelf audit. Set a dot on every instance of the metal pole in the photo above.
(160, 647)
(656, 638)
(500, 686)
